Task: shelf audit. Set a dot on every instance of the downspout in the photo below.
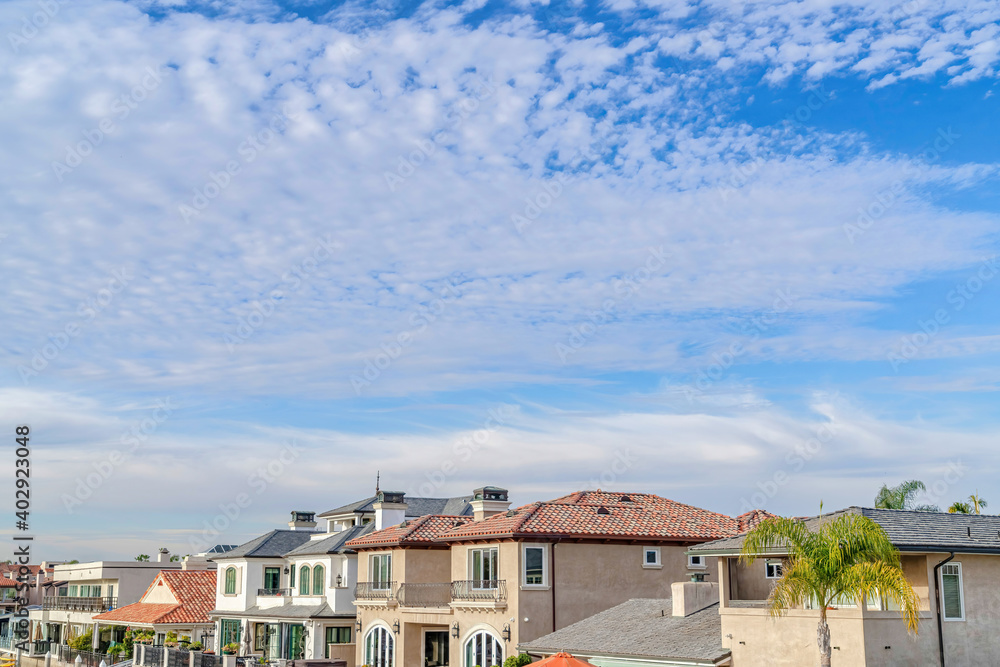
(552, 584)
(939, 603)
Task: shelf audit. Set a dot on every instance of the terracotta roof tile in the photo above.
(604, 514)
(193, 590)
(423, 530)
(7, 583)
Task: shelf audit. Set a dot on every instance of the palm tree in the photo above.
(845, 556)
(901, 497)
(959, 507)
(977, 502)
(142, 558)
(973, 506)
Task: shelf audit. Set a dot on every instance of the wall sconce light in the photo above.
(357, 626)
(340, 580)
(395, 626)
(286, 569)
(505, 633)
(454, 630)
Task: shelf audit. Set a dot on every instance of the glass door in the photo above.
(436, 648)
(295, 646)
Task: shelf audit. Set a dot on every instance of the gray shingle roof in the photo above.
(333, 544)
(415, 507)
(641, 628)
(909, 531)
(271, 545)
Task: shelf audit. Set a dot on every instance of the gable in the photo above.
(159, 592)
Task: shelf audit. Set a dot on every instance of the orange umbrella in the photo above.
(562, 660)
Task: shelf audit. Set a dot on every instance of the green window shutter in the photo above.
(951, 591)
(319, 576)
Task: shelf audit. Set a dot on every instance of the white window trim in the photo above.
(658, 565)
(693, 566)
(496, 575)
(961, 590)
(773, 562)
(545, 567)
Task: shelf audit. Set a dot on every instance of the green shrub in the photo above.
(84, 642)
(517, 661)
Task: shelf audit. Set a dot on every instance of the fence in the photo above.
(64, 653)
(161, 656)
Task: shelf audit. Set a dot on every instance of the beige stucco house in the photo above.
(951, 560)
(464, 591)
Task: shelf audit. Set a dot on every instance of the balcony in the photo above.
(377, 591)
(274, 592)
(488, 592)
(65, 603)
(424, 595)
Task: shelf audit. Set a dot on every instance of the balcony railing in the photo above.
(274, 592)
(424, 595)
(482, 590)
(66, 603)
(375, 590)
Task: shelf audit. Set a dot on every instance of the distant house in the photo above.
(176, 601)
(83, 590)
(465, 591)
(951, 560)
(289, 593)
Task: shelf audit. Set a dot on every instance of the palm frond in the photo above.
(774, 534)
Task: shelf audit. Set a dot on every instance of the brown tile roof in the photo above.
(420, 531)
(582, 515)
(7, 583)
(193, 590)
(749, 520)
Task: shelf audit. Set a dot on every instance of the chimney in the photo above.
(691, 596)
(163, 556)
(488, 501)
(390, 509)
(302, 521)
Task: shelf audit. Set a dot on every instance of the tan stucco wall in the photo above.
(791, 640)
(750, 582)
(974, 641)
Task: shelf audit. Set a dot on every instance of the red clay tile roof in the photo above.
(422, 530)
(7, 583)
(194, 590)
(748, 520)
(603, 514)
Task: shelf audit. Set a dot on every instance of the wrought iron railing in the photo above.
(66, 603)
(274, 592)
(375, 590)
(210, 660)
(424, 595)
(479, 590)
(153, 656)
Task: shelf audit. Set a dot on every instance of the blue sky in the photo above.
(676, 247)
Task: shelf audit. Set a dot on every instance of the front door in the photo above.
(436, 648)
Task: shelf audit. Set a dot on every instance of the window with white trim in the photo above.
(651, 557)
(697, 562)
(378, 647)
(952, 593)
(773, 569)
(380, 568)
(483, 567)
(536, 565)
(482, 649)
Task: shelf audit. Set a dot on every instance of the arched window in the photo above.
(304, 580)
(483, 649)
(231, 581)
(378, 647)
(319, 579)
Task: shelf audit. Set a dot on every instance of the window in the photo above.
(651, 557)
(304, 580)
(951, 592)
(535, 573)
(160, 638)
(111, 591)
(291, 578)
(483, 649)
(697, 562)
(230, 629)
(378, 647)
(272, 578)
(95, 591)
(63, 591)
(772, 569)
(74, 591)
(483, 567)
(85, 591)
(381, 571)
(319, 578)
(230, 588)
(336, 636)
